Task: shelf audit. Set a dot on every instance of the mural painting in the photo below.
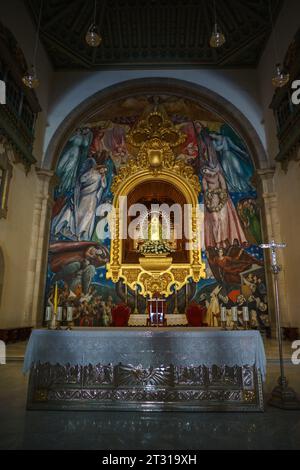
(79, 241)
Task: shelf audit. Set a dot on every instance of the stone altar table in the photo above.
(187, 369)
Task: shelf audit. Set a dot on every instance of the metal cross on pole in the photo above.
(282, 396)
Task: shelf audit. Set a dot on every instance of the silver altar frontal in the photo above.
(145, 369)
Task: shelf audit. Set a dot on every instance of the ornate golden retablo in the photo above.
(155, 137)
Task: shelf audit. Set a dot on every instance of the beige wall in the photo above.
(16, 229)
(15, 240)
(287, 185)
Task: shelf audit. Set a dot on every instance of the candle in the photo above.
(59, 314)
(186, 296)
(55, 300)
(48, 314)
(234, 313)
(245, 314)
(223, 314)
(69, 314)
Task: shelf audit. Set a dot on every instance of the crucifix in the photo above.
(273, 247)
(282, 396)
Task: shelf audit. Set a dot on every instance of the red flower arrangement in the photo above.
(195, 314)
(120, 315)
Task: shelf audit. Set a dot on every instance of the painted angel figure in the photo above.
(235, 163)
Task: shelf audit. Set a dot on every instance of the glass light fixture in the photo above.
(217, 38)
(280, 78)
(30, 79)
(93, 37)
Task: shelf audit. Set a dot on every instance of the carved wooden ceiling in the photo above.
(154, 33)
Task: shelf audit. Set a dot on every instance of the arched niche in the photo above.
(169, 196)
(90, 110)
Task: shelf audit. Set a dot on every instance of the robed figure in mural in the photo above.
(77, 218)
(228, 264)
(73, 156)
(87, 197)
(222, 224)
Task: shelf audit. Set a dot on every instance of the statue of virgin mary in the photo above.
(155, 230)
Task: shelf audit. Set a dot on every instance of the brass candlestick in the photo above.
(282, 395)
(234, 314)
(175, 311)
(223, 318)
(53, 322)
(70, 322)
(146, 306)
(59, 318)
(126, 294)
(186, 296)
(48, 316)
(246, 322)
(135, 312)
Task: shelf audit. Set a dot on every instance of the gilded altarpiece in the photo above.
(155, 137)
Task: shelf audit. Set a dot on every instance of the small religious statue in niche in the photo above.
(156, 242)
(5, 177)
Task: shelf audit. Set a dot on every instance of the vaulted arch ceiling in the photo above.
(154, 33)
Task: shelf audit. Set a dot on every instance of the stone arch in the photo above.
(167, 86)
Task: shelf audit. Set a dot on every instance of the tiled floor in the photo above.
(19, 429)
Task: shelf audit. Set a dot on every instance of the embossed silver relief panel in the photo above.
(134, 387)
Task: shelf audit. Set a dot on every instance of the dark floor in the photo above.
(20, 429)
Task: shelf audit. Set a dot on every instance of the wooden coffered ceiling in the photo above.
(154, 33)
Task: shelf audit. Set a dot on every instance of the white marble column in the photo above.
(38, 252)
(269, 202)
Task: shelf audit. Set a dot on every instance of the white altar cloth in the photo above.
(146, 346)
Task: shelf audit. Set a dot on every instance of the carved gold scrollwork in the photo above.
(180, 275)
(131, 275)
(153, 283)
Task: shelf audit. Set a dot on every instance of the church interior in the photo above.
(149, 179)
